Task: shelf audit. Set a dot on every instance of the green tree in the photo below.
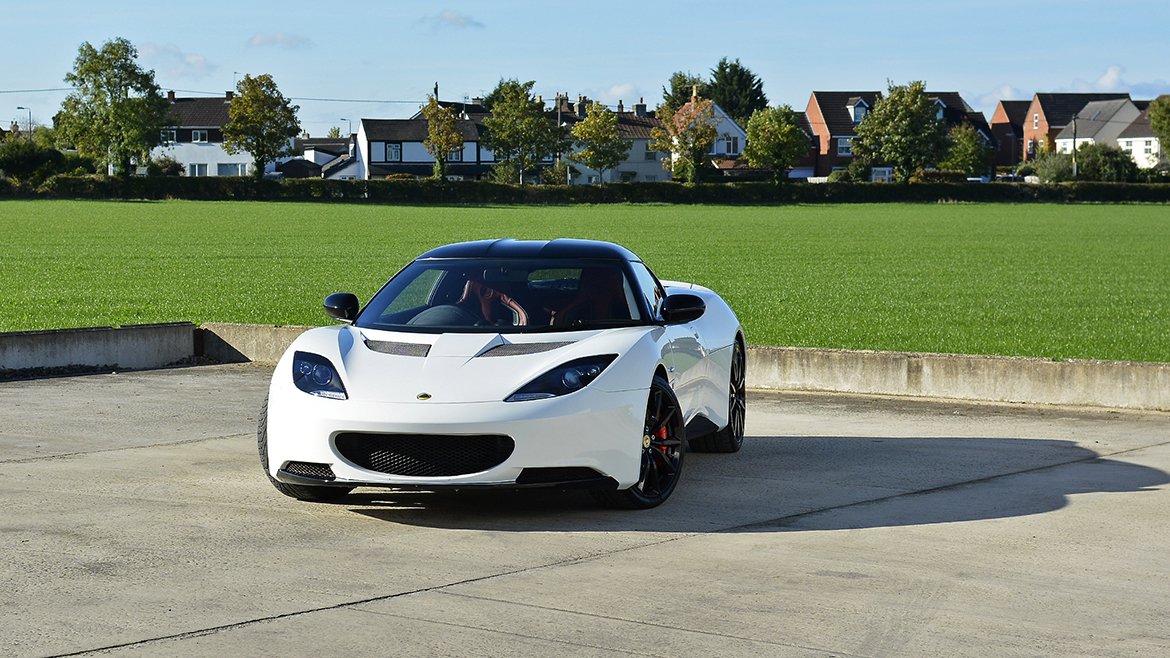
(600, 145)
(1159, 113)
(680, 88)
(115, 112)
(496, 94)
(1101, 162)
(736, 89)
(686, 135)
(519, 133)
(775, 140)
(902, 130)
(1053, 167)
(261, 122)
(29, 163)
(443, 135)
(334, 132)
(966, 151)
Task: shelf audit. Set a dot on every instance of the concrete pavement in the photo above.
(136, 521)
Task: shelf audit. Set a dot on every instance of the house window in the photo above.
(1036, 121)
(651, 155)
(1031, 147)
(651, 178)
(455, 156)
(231, 169)
(881, 174)
(199, 136)
(845, 146)
(1127, 144)
(1149, 146)
(394, 153)
(167, 136)
(732, 144)
(195, 169)
(858, 113)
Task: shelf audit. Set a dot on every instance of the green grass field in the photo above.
(1083, 281)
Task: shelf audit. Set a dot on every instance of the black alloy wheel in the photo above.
(663, 445)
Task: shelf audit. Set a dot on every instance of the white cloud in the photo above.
(280, 40)
(174, 63)
(1113, 80)
(987, 102)
(453, 19)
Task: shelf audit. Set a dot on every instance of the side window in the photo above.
(650, 288)
(417, 292)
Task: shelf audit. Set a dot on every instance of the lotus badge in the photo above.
(423, 396)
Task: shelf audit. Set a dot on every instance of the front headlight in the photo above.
(564, 379)
(314, 374)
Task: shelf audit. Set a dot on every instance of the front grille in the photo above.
(424, 455)
(310, 470)
(520, 349)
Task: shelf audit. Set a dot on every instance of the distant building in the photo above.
(1098, 122)
(194, 137)
(1048, 114)
(1138, 139)
(1007, 129)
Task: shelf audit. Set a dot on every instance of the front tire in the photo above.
(663, 444)
(298, 491)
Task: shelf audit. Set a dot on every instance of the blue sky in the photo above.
(396, 50)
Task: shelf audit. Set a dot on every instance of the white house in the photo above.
(641, 164)
(194, 137)
(730, 138)
(395, 146)
(1098, 122)
(1139, 140)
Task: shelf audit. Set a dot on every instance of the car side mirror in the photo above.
(342, 306)
(682, 307)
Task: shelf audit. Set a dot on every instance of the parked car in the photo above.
(508, 363)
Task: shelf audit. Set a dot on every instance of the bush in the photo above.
(1099, 162)
(1054, 167)
(840, 176)
(164, 166)
(938, 176)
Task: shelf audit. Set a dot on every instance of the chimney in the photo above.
(582, 106)
(478, 100)
(171, 95)
(229, 96)
(694, 93)
(621, 108)
(640, 108)
(540, 101)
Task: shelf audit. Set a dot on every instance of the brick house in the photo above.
(833, 117)
(1048, 114)
(1007, 129)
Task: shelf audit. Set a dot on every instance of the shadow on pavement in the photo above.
(801, 483)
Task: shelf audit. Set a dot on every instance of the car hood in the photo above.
(387, 366)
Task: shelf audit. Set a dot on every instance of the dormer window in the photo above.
(857, 110)
(939, 108)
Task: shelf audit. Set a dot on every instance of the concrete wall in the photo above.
(999, 379)
(131, 347)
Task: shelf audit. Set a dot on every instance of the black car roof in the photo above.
(512, 248)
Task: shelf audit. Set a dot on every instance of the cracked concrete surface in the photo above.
(136, 521)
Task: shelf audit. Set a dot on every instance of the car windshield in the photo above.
(486, 295)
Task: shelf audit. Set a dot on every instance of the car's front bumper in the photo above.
(588, 429)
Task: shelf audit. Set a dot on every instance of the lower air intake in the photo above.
(424, 455)
(310, 470)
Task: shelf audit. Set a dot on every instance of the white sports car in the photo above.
(508, 363)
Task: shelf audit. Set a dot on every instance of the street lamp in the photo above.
(21, 107)
(349, 124)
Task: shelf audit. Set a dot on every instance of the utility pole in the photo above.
(1074, 121)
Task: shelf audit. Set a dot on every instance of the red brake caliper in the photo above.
(661, 433)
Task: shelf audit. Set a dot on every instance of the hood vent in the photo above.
(520, 349)
(398, 349)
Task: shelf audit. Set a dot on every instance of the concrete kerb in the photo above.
(1117, 384)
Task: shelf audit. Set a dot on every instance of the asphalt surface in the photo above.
(135, 521)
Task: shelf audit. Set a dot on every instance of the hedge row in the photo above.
(478, 192)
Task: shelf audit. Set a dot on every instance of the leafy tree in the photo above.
(1105, 163)
(775, 140)
(687, 135)
(27, 162)
(165, 166)
(260, 121)
(334, 133)
(443, 135)
(680, 88)
(966, 151)
(556, 174)
(1053, 167)
(737, 90)
(116, 110)
(1159, 113)
(902, 130)
(519, 132)
(600, 145)
(496, 94)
